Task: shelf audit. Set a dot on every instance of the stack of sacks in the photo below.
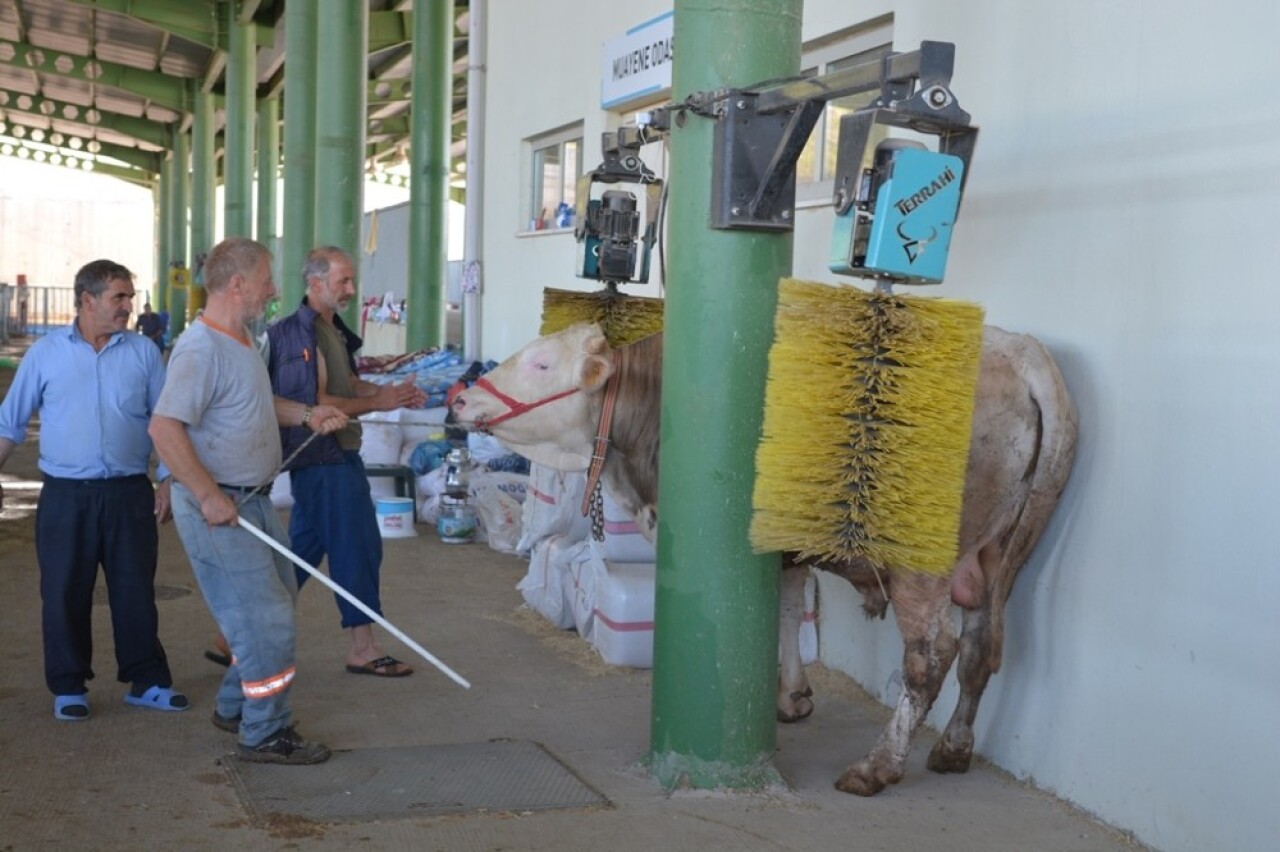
(610, 590)
(606, 587)
(552, 524)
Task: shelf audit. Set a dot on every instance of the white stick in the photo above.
(395, 631)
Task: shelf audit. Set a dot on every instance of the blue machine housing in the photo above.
(908, 235)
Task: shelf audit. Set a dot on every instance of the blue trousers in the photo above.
(250, 591)
(81, 524)
(333, 515)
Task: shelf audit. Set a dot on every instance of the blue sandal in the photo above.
(70, 708)
(159, 698)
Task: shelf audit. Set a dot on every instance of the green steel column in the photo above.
(161, 299)
(299, 148)
(716, 609)
(343, 40)
(432, 112)
(237, 173)
(203, 199)
(178, 203)
(268, 176)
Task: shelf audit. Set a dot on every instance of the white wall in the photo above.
(1123, 206)
(58, 219)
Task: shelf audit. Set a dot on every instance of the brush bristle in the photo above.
(868, 413)
(623, 318)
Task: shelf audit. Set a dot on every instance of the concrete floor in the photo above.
(131, 778)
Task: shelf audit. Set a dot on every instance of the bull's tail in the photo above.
(1056, 450)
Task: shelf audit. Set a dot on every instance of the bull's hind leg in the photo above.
(794, 693)
(922, 608)
(981, 647)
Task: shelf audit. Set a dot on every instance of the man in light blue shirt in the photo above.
(95, 386)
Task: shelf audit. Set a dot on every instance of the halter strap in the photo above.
(516, 408)
(602, 436)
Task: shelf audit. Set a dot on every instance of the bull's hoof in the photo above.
(798, 706)
(862, 779)
(946, 757)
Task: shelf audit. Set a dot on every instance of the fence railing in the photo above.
(33, 311)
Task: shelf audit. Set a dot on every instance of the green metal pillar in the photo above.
(237, 173)
(432, 112)
(342, 39)
(160, 301)
(299, 148)
(178, 203)
(203, 199)
(715, 665)
(268, 176)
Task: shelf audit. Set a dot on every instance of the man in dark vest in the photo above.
(312, 360)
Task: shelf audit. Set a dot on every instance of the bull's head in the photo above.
(544, 401)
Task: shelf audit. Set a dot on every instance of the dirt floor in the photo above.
(130, 778)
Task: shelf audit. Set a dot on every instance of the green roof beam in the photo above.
(191, 21)
(139, 128)
(389, 29)
(159, 88)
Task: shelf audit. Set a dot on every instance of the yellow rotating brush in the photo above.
(868, 413)
(624, 319)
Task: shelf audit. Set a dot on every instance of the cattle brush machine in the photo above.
(869, 394)
(617, 220)
(877, 472)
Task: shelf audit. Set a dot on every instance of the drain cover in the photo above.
(383, 783)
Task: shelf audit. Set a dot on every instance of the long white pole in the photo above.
(395, 631)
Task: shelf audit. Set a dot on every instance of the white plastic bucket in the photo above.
(395, 517)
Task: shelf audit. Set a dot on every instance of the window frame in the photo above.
(570, 136)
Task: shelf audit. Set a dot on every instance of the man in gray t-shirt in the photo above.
(216, 427)
(232, 424)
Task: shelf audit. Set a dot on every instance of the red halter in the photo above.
(516, 407)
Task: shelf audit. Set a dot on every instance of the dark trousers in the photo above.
(333, 515)
(81, 524)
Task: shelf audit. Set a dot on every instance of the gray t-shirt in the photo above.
(219, 387)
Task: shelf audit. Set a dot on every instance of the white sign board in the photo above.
(638, 62)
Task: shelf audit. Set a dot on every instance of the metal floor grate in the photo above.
(383, 783)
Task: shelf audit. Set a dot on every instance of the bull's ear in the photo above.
(594, 373)
(596, 344)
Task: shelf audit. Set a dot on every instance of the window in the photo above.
(817, 163)
(556, 166)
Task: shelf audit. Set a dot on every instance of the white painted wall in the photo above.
(1123, 206)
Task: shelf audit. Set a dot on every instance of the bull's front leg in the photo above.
(922, 608)
(794, 693)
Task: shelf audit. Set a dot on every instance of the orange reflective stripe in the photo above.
(268, 686)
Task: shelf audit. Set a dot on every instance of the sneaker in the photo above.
(230, 724)
(285, 746)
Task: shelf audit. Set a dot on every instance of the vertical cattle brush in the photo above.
(868, 414)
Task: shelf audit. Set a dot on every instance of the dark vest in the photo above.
(295, 375)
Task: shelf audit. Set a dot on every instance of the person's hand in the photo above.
(218, 509)
(326, 419)
(164, 507)
(404, 395)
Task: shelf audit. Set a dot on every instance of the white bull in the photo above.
(545, 402)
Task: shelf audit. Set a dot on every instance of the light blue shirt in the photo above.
(94, 406)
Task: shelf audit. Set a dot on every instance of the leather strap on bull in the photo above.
(515, 407)
(602, 437)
